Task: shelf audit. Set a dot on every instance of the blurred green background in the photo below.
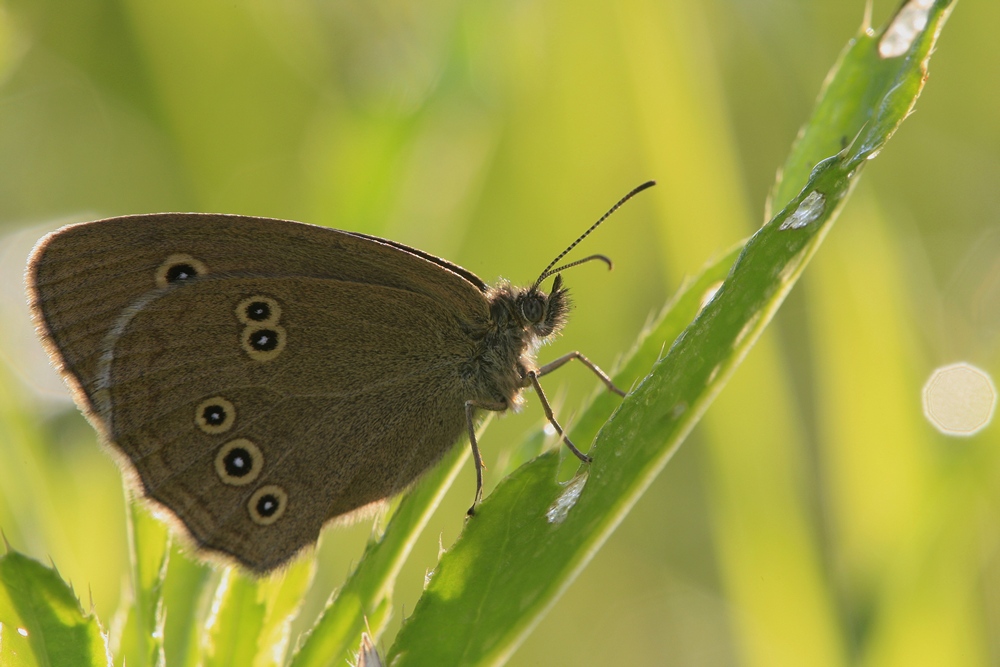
(814, 518)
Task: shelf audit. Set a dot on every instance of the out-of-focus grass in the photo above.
(815, 509)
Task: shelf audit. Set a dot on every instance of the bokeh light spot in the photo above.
(959, 399)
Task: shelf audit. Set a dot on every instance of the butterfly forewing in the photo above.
(82, 277)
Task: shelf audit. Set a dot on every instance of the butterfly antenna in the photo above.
(550, 271)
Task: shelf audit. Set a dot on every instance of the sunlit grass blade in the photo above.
(250, 618)
(185, 599)
(533, 536)
(367, 594)
(139, 635)
(234, 625)
(282, 594)
(41, 620)
(484, 565)
(864, 99)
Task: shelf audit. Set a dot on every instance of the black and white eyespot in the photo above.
(267, 504)
(533, 309)
(239, 462)
(215, 415)
(258, 309)
(263, 343)
(179, 268)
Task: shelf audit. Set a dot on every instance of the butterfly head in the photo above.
(542, 314)
(527, 313)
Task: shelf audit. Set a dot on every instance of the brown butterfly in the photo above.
(260, 377)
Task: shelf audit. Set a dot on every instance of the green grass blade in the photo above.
(185, 598)
(479, 564)
(282, 594)
(367, 594)
(533, 535)
(41, 621)
(141, 639)
(250, 619)
(863, 100)
(231, 637)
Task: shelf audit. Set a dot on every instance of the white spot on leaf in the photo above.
(809, 209)
(908, 24)
(559, 510)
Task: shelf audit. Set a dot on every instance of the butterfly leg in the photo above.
(470, 407)
(552, 365)
(533, 376)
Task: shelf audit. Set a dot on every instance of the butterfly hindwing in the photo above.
(334, 432)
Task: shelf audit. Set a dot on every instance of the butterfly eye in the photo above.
(258, 309)
(239, 462)
(533, 309)
(267, 504)
(179, 268)
(215, 415)
(263, 343)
